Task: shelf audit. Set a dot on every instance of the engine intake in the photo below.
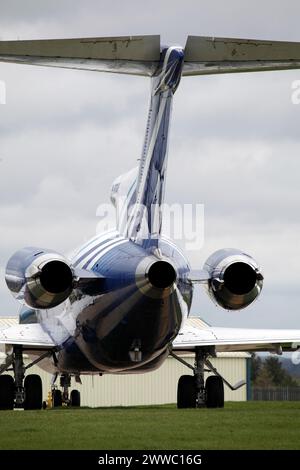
(235, 278)
(41, 278)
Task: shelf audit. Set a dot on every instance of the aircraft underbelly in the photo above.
(128, 335)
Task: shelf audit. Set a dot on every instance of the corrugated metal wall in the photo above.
(156, 387)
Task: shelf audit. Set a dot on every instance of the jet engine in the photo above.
(40, 278)
(235, 278)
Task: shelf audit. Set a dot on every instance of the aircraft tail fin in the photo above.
(209, 55)
(134, 55)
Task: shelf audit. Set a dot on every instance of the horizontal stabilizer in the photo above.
(140, 55)
(209, 55)
(137, 55)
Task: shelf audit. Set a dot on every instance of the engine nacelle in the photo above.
(235, 278)
(40, 278)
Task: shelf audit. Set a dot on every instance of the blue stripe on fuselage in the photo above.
(94, 248)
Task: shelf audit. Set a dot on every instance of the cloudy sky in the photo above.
(235, 141)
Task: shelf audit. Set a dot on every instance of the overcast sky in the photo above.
(235, 141)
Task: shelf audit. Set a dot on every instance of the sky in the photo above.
(234, 145)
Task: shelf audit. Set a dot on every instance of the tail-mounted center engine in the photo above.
(235, 278)
(41, 278)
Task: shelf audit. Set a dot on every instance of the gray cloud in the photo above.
(173, 20)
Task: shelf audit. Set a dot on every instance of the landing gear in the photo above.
(19, 373)
(199, 370)
(63, 398)
(7, 392)
(15, 392)
(65, 383)
(192, 390)
(28, 392)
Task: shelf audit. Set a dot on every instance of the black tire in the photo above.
(75, 398)
(33, 392)
(57, 398)
(7, 392)
(186, 392)
(214, 392)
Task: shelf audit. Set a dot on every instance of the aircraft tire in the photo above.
(57, 398)
(7, 389)
(186, 392)
(75, 398)
(33, 392)
(214, 392)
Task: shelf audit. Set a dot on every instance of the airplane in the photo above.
(119, 303)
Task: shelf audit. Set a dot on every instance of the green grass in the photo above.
(252, 425)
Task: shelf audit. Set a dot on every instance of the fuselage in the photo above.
(130, 325)
(125, 320)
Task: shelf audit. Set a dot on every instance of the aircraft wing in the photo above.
(236, 339)
(210, 55)
(134, 55)
(31, 336)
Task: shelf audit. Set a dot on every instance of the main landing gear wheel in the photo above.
(186, 392)
(7, 391)
(214, 388)
(57, 398)
(75, 398)
(193, 391)
(33, 392)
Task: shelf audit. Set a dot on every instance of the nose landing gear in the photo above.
(64, 398)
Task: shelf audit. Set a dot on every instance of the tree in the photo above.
(274, 367)
(270, 373)
(256, 365)
(264, 379)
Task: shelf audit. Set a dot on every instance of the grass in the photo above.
(249, 425)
